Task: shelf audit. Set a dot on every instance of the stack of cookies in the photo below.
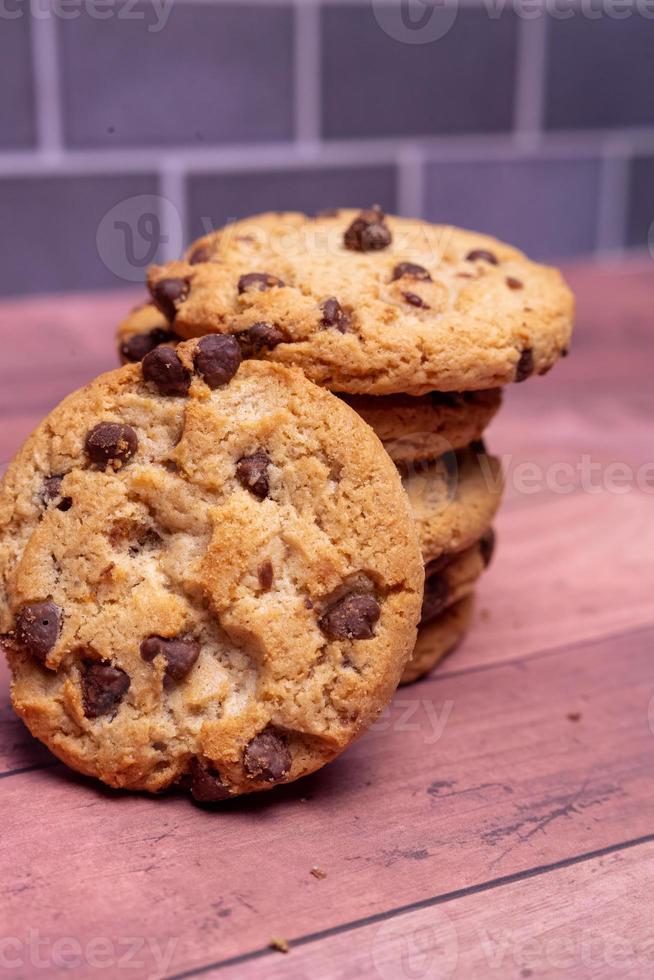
(212, 568)
(415, 326)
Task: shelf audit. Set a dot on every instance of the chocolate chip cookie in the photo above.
(370, 304)
(438, 638)
(412, 428)
(453, 576)
(416, 429)
(454, 500)
(200, 582)
(144, 329)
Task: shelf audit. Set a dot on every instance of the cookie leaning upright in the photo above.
(199, 579)
(369, 304)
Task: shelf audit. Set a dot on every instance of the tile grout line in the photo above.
(47, 90)
(307, 73)
(411, 182)
(484, 886)
(530, 81)
(613, 196)
(330, 153)
(173, 215)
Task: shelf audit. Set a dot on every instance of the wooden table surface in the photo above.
(498, 821)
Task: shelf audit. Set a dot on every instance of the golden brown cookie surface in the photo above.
(370, 304)
(412, 428)
(415, 429)
(454, 500)
(438, 638)
(199, 579)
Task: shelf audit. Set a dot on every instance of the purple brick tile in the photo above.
(600, 72)
(376, 84)
(17, 126)
(211, 74)
(214, 199)
(546, 207)
(640, 215)
(75, 232)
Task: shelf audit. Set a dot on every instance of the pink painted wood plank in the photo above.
(511, 784)
(569, 569)
(590, 919)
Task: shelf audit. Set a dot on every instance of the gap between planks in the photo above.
(588, 919)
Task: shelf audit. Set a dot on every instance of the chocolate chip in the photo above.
(252, 472)
(487, 546)
(265, 575)
(201, 253)
(37, 628)
(103, 687)
(438, 564)
(479, 447)
(111, 443)
(180, 654)
(411, 270)
(166, 293)
(435, 599)
(514, 283)
(135, 349)
(351, 618)
(481, 255)
(446, 399)
(258, 281)
(333, 315)
(205, 783)
(368, 233)
(525, 366)
(415, 300)
(267, 757)
(217, 359)
(564, 352)
(51, 491)
(163, 368)
(258, 337)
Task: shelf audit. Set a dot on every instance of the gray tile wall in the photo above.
(127, 128)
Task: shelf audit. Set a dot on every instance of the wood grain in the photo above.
(590, 919)
(472, 777)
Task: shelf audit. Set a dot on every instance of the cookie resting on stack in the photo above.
(212, 569)
(200, 581)
(416, 326)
